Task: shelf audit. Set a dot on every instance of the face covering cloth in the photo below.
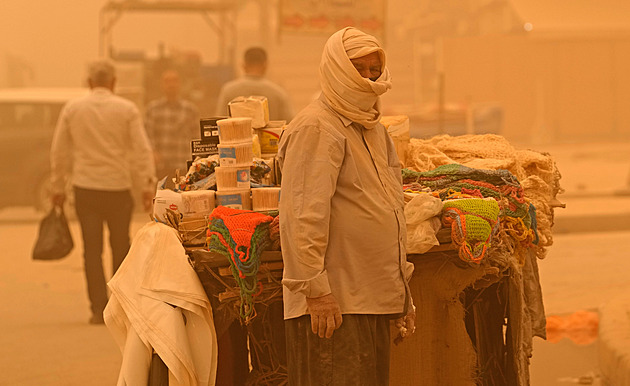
(345, 90)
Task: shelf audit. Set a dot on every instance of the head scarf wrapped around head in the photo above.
(347, 92)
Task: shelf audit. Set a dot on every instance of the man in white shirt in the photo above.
(342, 224)
(98, 145)
(255, 83)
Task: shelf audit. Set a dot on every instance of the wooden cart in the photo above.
(464, 320)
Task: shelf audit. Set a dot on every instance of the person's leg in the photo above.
(119, 207)
(382, 347)
(357, 353)
(86, 205)
(309, 363)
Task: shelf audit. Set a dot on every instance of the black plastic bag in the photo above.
(54, 240)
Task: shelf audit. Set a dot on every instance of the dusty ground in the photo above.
(45, 338)
(44, 335)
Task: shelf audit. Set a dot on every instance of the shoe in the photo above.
(97, 319)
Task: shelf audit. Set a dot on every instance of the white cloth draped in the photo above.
(347, 92)
(158, 303)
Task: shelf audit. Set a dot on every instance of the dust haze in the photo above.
(529, 70)
(548, 75)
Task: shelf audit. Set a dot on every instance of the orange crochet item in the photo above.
(241, 225)
(240, 236)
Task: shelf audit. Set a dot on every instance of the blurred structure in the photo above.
(27, 119)
(139, 75)
(556, 72)
(531, 70)
(564, 79)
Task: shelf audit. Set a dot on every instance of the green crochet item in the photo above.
(498, 184)
(473, 222)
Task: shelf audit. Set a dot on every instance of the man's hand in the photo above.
(147, 200)
(407, 324)
(325, 315)
(58, 199)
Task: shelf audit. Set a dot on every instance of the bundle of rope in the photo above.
(241, 236)
(473, 223)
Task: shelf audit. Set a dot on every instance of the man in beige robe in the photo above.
(342, 224)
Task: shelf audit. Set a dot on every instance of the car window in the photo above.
(21, 116)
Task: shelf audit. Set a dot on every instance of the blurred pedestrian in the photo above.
(171, 123)
(342, 224)
(255, 83)
(98, 145)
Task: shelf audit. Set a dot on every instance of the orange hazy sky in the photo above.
(56, 38)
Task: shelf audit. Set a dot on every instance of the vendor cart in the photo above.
(468, 320)
(477, 293)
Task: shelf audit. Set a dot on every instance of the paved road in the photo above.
(44, 335)
(581, 272)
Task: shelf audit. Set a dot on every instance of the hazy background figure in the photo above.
(99, 143)
(171, 123)
(254, 82)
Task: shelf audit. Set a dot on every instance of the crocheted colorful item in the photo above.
(241, 236)
(473, 222)
(415, 187)
(486, 183)
(459, 181)
(443, 175)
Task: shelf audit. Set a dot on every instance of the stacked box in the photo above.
(265, 199)
(235, 159)
(254, 107)
(269, 137)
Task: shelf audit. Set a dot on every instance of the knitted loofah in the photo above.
(473, 222)
(241, 236)
(536, 171)
(459, 181)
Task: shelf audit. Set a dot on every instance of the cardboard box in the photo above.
(254, 107)
(269, 136)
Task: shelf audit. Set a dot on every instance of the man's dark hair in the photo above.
(101, 72)
(255, 56)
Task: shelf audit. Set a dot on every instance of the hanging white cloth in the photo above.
(158, 303)
(346, 91)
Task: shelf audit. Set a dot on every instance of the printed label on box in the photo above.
(210, 130)
(202, 149)
(233, 201)
(227, 156)
(242, 178)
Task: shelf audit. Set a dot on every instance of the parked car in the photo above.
(27, 120)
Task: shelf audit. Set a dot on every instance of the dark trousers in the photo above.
(357, 353)
(94, 208)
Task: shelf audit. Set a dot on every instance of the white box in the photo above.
(254, 107)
